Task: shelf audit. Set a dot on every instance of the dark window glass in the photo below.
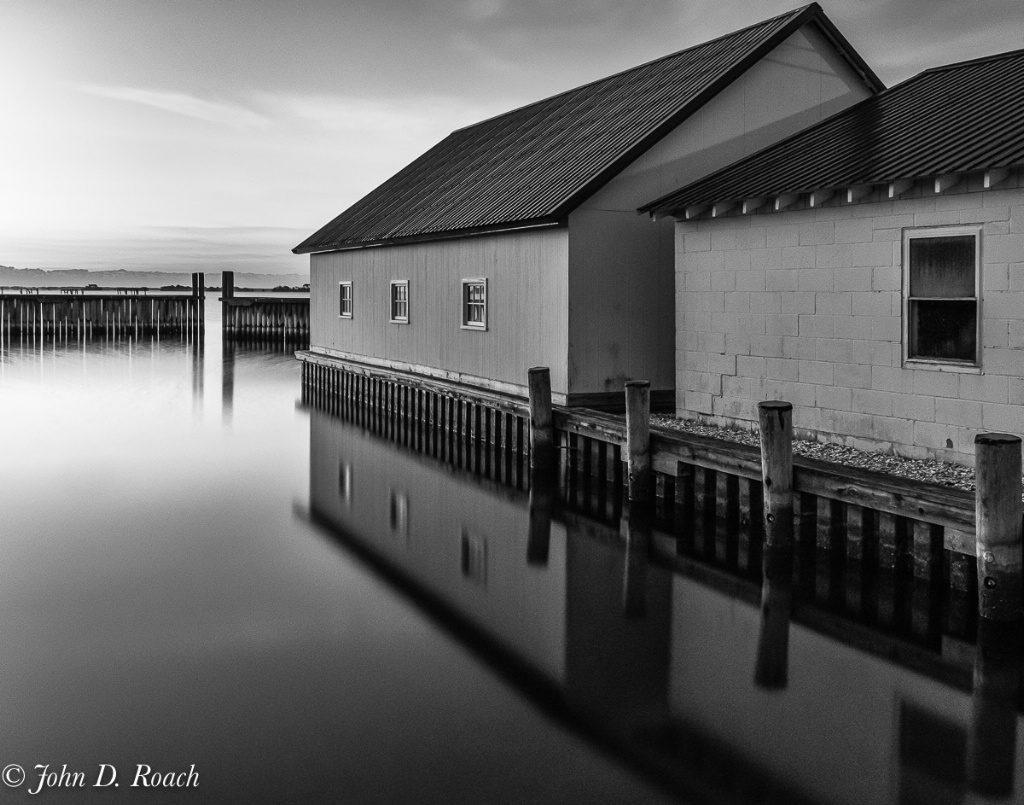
(942, 267)
(943, 330)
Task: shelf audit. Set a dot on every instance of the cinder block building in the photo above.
(869, 269)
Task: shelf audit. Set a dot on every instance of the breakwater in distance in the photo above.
(91, 310)
(261, 318)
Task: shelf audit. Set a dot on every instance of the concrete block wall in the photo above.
(806, 305)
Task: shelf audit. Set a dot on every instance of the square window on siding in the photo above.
(474, 304)
(940, 290)
(400, 301)
(345, 300)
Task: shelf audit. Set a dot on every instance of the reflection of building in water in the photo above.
(660, 665)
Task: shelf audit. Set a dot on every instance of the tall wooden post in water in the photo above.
(771, 667)
(542, 423)
(997, 471)
(227, 293)
(638, 440)
(776, 420)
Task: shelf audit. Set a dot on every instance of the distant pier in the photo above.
(83, 311)
(262, 318)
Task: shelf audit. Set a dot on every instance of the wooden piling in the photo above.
(638, 440)
(998, 530)
(992, 739)
(542, 423)
(776, 421)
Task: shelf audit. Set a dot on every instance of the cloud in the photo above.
(180, 103)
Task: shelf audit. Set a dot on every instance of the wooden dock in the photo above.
(856, 531)
(95, 310)
(262, 318)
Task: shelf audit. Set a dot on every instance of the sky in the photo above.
(181, 134)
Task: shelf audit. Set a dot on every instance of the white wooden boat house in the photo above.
(516, 242)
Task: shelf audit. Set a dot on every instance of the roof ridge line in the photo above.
(793, 13)
(1006, 54)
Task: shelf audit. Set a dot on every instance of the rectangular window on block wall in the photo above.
(345, 300)
(400, 301)
(941, 283)
(474, 304)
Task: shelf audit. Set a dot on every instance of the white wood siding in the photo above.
(621, 320)
(527, 298)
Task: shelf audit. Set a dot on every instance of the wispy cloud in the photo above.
(181, 103)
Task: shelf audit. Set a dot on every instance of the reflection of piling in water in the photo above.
(198, 348)
(635, 528)
(542, 503)
(228, 377)
(771, 669)
(992, 742)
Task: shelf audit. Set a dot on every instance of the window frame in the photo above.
(341, 299)
(392, 300)
(943, 364)
(464, 304)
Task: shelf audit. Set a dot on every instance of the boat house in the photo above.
(516, 242)
(869, 269)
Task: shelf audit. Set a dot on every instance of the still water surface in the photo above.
(200, 569)
(163, 604)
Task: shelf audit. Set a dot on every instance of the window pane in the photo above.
(943, 330)
(942, 267)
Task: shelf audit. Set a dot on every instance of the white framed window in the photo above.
(474, 558)
(345, 483)
(474, 304)
(400, 301)
(400, 513)
(345, 300)
(941, 296)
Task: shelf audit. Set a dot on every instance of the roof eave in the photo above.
(493, 229)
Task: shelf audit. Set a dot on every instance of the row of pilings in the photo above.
(771, 526)
(85, 312)
(262, 317)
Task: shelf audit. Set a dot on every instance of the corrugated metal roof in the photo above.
(535, 164)
(947, 120)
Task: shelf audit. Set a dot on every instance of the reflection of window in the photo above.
(474, 304)
(400, 513)
(400, 301)
(474, 558)
(345, 482)
(940, 287)
(345, 300)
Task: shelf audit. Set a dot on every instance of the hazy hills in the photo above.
(121, 278)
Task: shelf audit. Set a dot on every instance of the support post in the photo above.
(542, 428)
(776, 421)
(997, 500)
(992, 739)
(227, 285)
(638, 440)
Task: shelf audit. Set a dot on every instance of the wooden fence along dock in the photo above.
(262, 318)
(885, 547)
(83, 311)
(927, 577)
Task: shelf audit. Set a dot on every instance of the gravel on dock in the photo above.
(927, 470)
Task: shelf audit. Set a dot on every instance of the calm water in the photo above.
(199, 569)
